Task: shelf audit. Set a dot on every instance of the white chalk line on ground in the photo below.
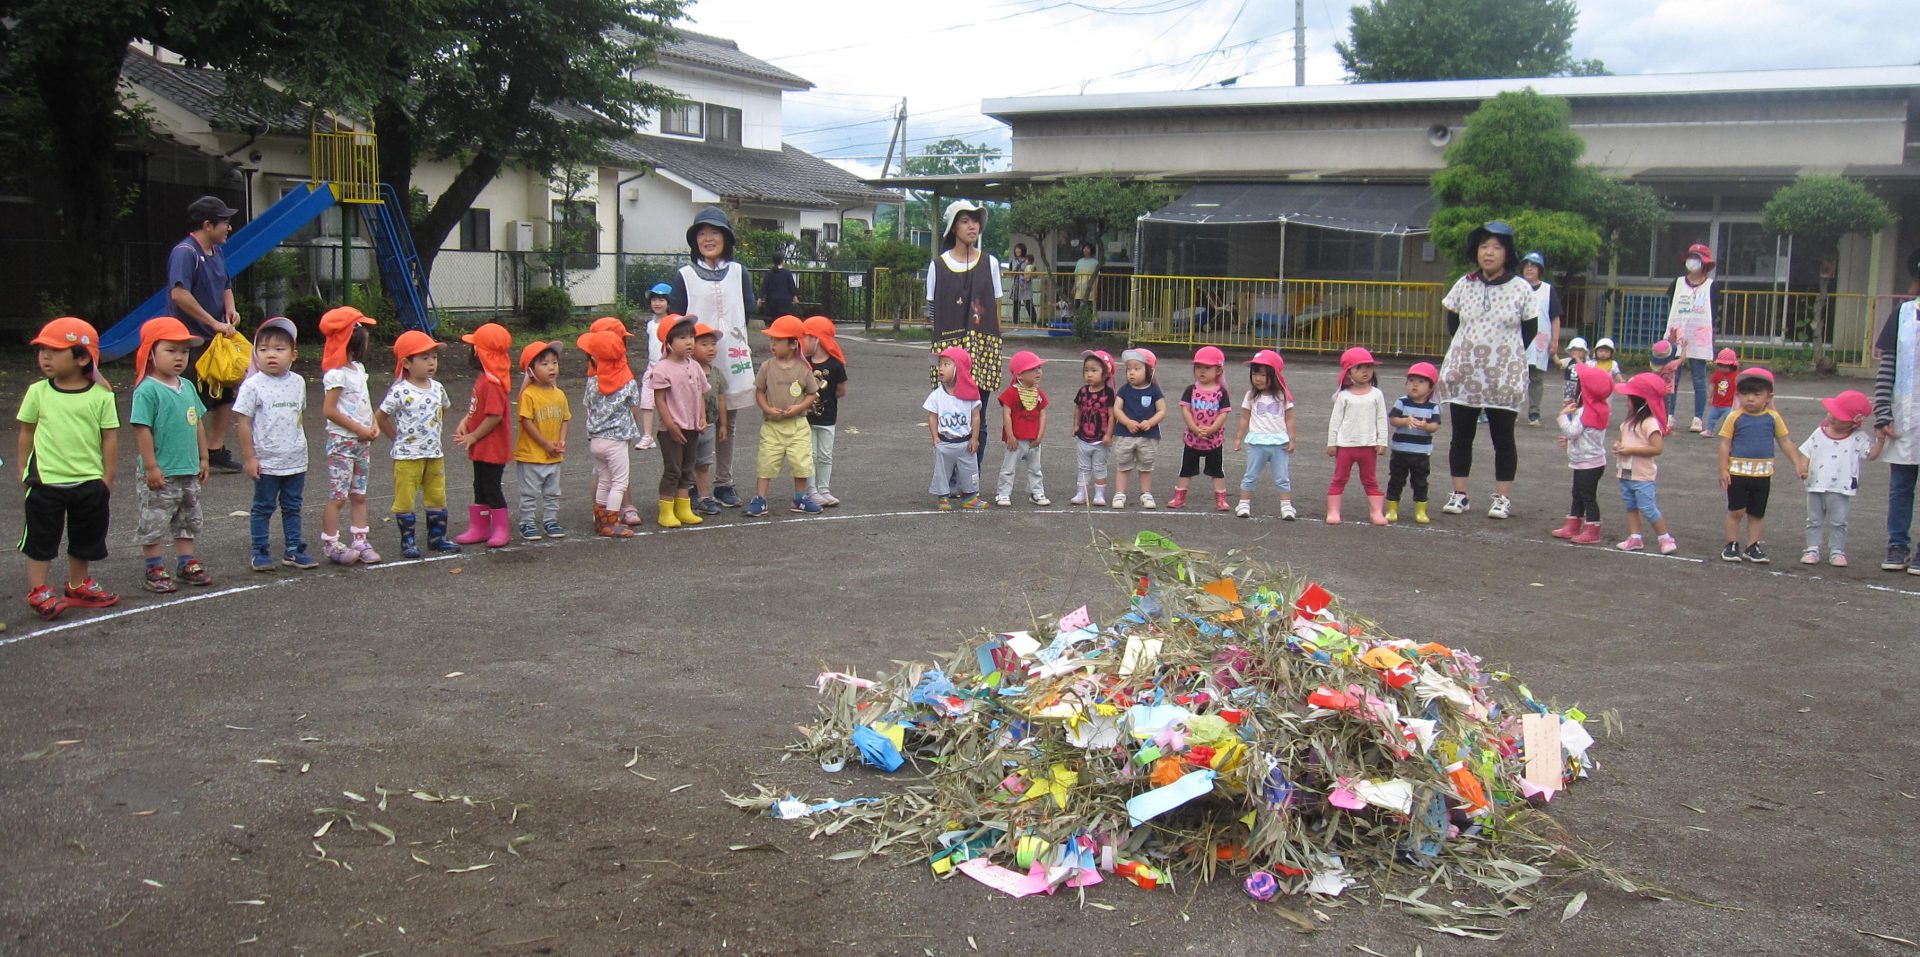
(868, 516)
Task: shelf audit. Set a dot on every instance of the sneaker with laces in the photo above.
(46, 603)
(1502, 507)
(1040, 500)
(1004, 501)
(1287, 514)
(1457, 503)
(804, 503)
(757, 508)
(194, 572)
(1243, 510)
(298, 558)
(1731, 553)
(158, 581)
(1634, 543)
(1119, 500)
(974, 503)
(1837, 559)
(1896, 560)
(89, 594)
(530, 532)
(1146, 500)
(1810, 557)
(1756, 554)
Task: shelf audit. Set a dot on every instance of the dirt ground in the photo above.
(162, 763)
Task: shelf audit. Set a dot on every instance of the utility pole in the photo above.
(900, 137)
(1299, 42)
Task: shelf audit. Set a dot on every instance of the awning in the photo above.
(1381, 208)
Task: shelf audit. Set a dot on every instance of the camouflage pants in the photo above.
(169, 512)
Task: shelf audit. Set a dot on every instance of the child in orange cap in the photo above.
(829, 364)
(677, 383)
(1833, 453)
(411, 415)
(613, 407)
(348, 409)
(628, 515)
(485, 433)
(270, 409)
(543, 413)
(169, 432)
(69, 438)
(785, 387)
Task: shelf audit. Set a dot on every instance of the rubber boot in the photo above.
(1179, 498)
(1333, 510)
(1589, 534)
(479, 525)
(668, 517)
(683, 510)
(1374, 515)
(1568, 530)
(437, 531)
(1420, 513)
(409, 547)
(502, 528)
(1393, 511)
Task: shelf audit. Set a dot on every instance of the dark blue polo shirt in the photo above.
(204, 275)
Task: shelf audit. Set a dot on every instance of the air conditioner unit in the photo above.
(528, 235)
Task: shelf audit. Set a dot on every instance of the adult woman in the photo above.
(1690, 314)
(1492, 316)
(1896, 414)
(718, 290)
(963, 298)
(1085, 270)
(1021, 267)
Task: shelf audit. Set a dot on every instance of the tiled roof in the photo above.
(716, 53)
(790, 177)
(204, 94)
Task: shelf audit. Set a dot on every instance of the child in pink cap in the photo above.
(1583, 433)
(1414, 418)
(1266, 432)
(1138, 407)
(1833, 453)
(1093, 426)
(1206, 407)
(1023, 424)
(953, 422)
(1357, 434)
(1643, 438)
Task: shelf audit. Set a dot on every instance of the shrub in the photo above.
(548, 306)
(305, 313)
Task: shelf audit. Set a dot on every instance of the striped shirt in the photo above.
(1407, 438)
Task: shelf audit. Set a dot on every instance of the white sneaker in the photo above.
(1146, 500)
(1501, 507)
(646, 442)
(1287, 514)
(1243, 510)
(1040, 500)
(1695, 427)
(1002, 501)
(1456, 503)
(1119, 500)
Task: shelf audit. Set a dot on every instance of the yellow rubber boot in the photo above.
(1420, 513)
(683, 510)
(667, 517)
(1393, 511)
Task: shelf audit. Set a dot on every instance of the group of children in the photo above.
(69, 425)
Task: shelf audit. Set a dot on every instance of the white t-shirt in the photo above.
(417, 414)
(355, 403)
(1833, 465)
(275, 404)
(1266, 418)
(956, 414)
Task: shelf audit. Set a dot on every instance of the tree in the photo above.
(950, 157)
(1820, 211)
(1082, 207)
(1396, 40)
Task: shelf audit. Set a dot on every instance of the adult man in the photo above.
(201, 292)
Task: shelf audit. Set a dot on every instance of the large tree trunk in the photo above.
(453, 204)
(81, 91)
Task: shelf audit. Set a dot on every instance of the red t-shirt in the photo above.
(489, 398)
(1720, 386)
(1026, 425)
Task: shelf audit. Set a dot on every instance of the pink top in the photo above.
(685, 382)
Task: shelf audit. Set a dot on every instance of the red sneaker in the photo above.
(89, 594)
(195, 573)
(46, 603)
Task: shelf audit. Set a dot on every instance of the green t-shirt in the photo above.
(67, 427)
(173, 413)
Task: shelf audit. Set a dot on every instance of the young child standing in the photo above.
(168, 431)
(953, 422)
(411, 415)
(1642, 439)
(1415, 417)
(784, 387)
(829, 364)
(1023, 425)
(269, 407)
(630, 516)
(1726, 366)
(1138, 407)
(348, 410)
(1583, 432)
(1093, 425)
(657, 311)
(1266, 432)
(1747, 440)
(486, 433)
(1570, 367)
(1665, 359)
(69, 438)
(706, 349)
(1603, 358)
(543, 413)
(612, 403)
(677, 383)
(1206, 407)
(1357, 434)
(1833, 453)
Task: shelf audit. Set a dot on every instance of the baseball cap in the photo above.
(209, 207)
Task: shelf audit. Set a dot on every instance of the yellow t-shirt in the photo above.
(546, 407)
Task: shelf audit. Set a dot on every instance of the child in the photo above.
(784, 387)
(830, 371)
(1583, 432)
(657, 309)
(613, 402)
(168, 429)
(1093, 425)
(543, 413)
(706, 348)
(1266, 431)
(677, 383)
(1356, 434)
(410, 415)
(1023, 425)
(1603, 358)
(1415, 417)
(484, 433)
(1642, 439)
(69, 438)
(1833, 453)
(1138, 407)
(1747, 438)
(1570, 366)
(953, 422)
(273, 447)
(1720, 386)
(630, 516)
(348, 410)
(1664, 358)
(1206, 408)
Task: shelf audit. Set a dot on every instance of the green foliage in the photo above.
(884, 252)
(1083, 330)
(548, 306)
(756, 247)
(951, 156)
(1083, 206)
(1396, 40)
(1519, 149)
(378, 306)
(279, 264)
(305, 313)
(1619, 209)
(1821, 209)
(643, 272)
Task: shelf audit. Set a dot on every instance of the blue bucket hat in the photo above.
(1535, 258)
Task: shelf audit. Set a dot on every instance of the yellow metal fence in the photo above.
(350, 160)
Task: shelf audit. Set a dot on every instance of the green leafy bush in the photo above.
(548, 306)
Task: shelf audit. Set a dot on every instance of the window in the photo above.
(831, 232)
(1745, 250)
(576, 231)
(723, 124)
(476, 230)
(682, 119)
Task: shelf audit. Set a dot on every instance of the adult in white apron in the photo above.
(718, 291)
(1492, 316)
(1546, 342)
(963, 301)
(1691, 310)
(1896, 414)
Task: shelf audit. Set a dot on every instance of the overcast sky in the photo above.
(945, 58)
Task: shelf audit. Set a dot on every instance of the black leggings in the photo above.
(486, 484)
(1586, 494)
(1466, 422)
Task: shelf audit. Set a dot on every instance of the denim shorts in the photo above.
(1638, 497)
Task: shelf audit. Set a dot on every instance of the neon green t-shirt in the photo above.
(67, 427)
